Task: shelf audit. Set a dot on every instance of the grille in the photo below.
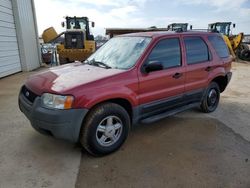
(74, 40)
(28, 94)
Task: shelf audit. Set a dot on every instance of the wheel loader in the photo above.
(78, 43)
(234, 42)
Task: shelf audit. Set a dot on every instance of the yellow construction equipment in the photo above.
(178, 27)
(78, 43)
(233, 42)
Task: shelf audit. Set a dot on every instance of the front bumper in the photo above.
(62, 124)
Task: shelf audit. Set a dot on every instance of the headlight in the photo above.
(57, 101)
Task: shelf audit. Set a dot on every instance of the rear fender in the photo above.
(219, 71)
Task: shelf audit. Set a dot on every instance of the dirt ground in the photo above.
(191, 149)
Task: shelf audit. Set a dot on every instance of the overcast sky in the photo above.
(143, 13)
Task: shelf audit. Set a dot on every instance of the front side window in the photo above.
(219, 45)
(120, 52)
(167, 52)
(196, 50)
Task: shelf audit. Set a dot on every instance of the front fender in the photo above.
(101, 95)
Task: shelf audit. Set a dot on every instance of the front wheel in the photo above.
(105, 129)
(211, 98)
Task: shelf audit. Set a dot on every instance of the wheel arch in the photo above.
(123, 102)
(222, 82)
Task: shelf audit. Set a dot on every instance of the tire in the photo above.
(211, 99)
(105, 121)
(244, 46)
(245, 55)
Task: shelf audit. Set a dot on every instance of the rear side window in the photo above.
(196, 50)
(219, 45)
(168, 52)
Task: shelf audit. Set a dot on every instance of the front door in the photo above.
(162, 90)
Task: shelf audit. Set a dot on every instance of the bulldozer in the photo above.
(177, 27)
(78, 43)
(234, 42)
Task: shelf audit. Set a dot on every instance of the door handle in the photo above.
(177, 75)
(208, 69)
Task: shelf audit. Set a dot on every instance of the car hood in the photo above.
(63, 78)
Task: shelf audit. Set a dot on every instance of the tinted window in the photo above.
(196, 50)
(167, 52)
(219, 46)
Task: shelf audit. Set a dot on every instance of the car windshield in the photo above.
(120, 52)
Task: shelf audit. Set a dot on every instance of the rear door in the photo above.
(162, 90)
(198, 66)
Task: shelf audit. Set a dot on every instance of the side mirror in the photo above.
(62, 24)
(93, 24)
(234, 25)
(153, 66)
(191, 27)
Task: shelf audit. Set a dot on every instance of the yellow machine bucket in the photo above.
(49, 35)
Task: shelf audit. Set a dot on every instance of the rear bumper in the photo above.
(62, 124)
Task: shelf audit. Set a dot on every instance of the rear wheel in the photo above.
(211, 98)
(105, 129)
(245, 55)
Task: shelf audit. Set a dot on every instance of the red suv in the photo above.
(133, 78)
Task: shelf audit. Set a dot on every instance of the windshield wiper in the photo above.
(97, 63)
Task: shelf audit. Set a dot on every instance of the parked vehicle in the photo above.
(133, 78)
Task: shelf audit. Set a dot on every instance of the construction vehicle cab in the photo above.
(78, 42)
(178, 27)
(221, 27)
(81, 23)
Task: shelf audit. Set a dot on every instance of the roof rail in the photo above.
(204, 30)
